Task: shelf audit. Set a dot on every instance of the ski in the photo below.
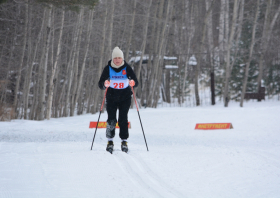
(124, 147)
(110, 147)
(125, 150)
(110, 151)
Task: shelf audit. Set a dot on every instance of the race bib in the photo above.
(118, 80)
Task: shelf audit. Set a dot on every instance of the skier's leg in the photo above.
(123, 122)
(111, 109)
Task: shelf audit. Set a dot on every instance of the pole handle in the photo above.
(134, 99)
(103, 99)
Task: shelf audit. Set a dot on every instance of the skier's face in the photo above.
(117, 61)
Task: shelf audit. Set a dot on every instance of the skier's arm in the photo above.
(131, 76)
(104, 76)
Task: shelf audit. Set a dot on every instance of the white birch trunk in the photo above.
(190, 31)
(250, 55)
(131, 30)
(111, 29)
(200, 50)
(158, 46)
(161, 50)
(265, 38)
(29, 66)
(210, 33)
(42, 97)
(139, 90)
(71, 65)
(211, 51)
(80, 80)
(222, 31)
(239, 31)
(100, 64)
(76, 66)
(148, 79)
(51, 85)
(226, 33)
(15, 104)
(229, 44)
(156, 54)
(143, 48)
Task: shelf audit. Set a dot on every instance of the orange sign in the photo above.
(211, 126)
(104, 124)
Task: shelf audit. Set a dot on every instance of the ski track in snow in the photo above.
(53, 158)
(134, 177)
(142, 175)
(6, 194)
(269, 158)
(138, 159)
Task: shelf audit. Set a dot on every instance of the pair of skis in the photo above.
(111, 150)
(110, 147)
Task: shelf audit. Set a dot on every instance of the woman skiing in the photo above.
(117, 77)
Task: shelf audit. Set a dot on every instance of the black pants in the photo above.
(123, 107)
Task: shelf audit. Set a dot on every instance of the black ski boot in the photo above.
(110, 146)
(124, 146)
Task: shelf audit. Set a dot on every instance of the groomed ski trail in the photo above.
(142, 176)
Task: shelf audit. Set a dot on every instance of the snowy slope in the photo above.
(53, 158)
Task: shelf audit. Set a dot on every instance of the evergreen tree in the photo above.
(272, 81)
(3, 1)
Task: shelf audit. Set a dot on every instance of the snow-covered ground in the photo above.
(52, 158)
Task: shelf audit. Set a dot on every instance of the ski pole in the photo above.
(139, 117)
(99, 117)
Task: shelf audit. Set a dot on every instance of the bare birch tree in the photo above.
(131, 27)
(250, 54)
(190, 30)
(54, 68)
(71, 65)
(42, 97)
(228, 55)
(143, 47)
(267, 29)
(222, 31)
(101, 59)
(80, 80)
(200, 51)
(157, 54)
(21, 60)
(76, 62)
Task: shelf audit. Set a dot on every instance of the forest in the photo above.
(184, 52)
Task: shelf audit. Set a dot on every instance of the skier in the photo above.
(117, 77)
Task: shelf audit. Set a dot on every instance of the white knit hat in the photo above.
(117, 52)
